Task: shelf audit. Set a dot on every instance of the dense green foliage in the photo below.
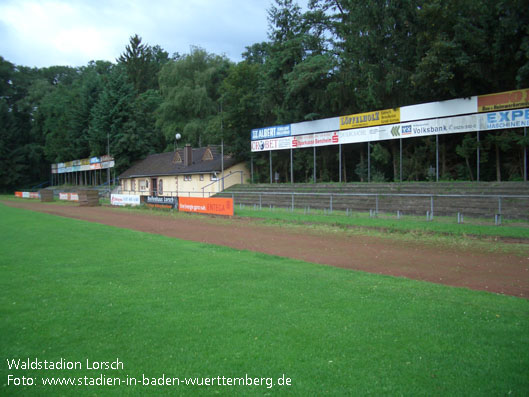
(336, 58)
(186, 309)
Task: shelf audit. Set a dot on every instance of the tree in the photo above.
(500, 142)
(190, 90)
(109, 118)
(142, 63)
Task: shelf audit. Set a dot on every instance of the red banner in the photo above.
(216, 206)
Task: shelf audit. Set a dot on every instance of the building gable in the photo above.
(207, 156)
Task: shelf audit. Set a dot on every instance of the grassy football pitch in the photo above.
(91, 296)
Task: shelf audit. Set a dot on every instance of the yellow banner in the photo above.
(503, 100)
(379, 117)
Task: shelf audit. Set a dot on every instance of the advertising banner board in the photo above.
(124, 199)
(506, 119)
(271, 132)
(34, 195)
(503, 101)
(69, 196)
(379, 117)
(434, 118)
(215, 206)
(161, 202)
(440, 126)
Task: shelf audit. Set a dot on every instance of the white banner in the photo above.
(124, 199)
(69, 196)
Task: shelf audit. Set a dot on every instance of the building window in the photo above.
(133, 185)
(201, 177)
(160, 187)
(187, 177)
(214, 177)
(124, 184)
(143, 185)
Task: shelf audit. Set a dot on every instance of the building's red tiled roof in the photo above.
(164, 164)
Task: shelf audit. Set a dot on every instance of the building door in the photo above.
(154, 187)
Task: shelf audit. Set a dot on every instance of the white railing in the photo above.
(168, 193)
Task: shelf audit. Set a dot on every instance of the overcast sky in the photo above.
(73, 32)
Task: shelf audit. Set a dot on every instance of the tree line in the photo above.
(336, 57)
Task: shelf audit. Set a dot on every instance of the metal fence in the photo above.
(167, 193)
(502, 206)
(474, 205)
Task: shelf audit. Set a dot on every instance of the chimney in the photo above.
(188, 155)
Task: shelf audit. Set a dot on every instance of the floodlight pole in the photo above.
(270, 166)
(340, 162)
(400, 160)
(477, 154)
(314, 171)
(222, 144)
(291, 167)
(437, 158)
(525, 155)
(368, 161)
(108, 159)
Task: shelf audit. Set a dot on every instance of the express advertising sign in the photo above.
(507, 119)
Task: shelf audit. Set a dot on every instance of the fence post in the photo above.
(431, 207)
(330, 205)
(499, 205)
(376, 204)
(260, 201)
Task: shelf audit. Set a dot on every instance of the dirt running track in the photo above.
(501, 273)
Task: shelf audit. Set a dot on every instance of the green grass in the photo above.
(440, 225)
(77, 290)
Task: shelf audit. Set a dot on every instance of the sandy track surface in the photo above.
(494, 272)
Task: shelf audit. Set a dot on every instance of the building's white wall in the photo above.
(196, 187)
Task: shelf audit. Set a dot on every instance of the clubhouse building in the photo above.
(191, 172)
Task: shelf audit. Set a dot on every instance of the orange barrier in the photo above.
(216, 206)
